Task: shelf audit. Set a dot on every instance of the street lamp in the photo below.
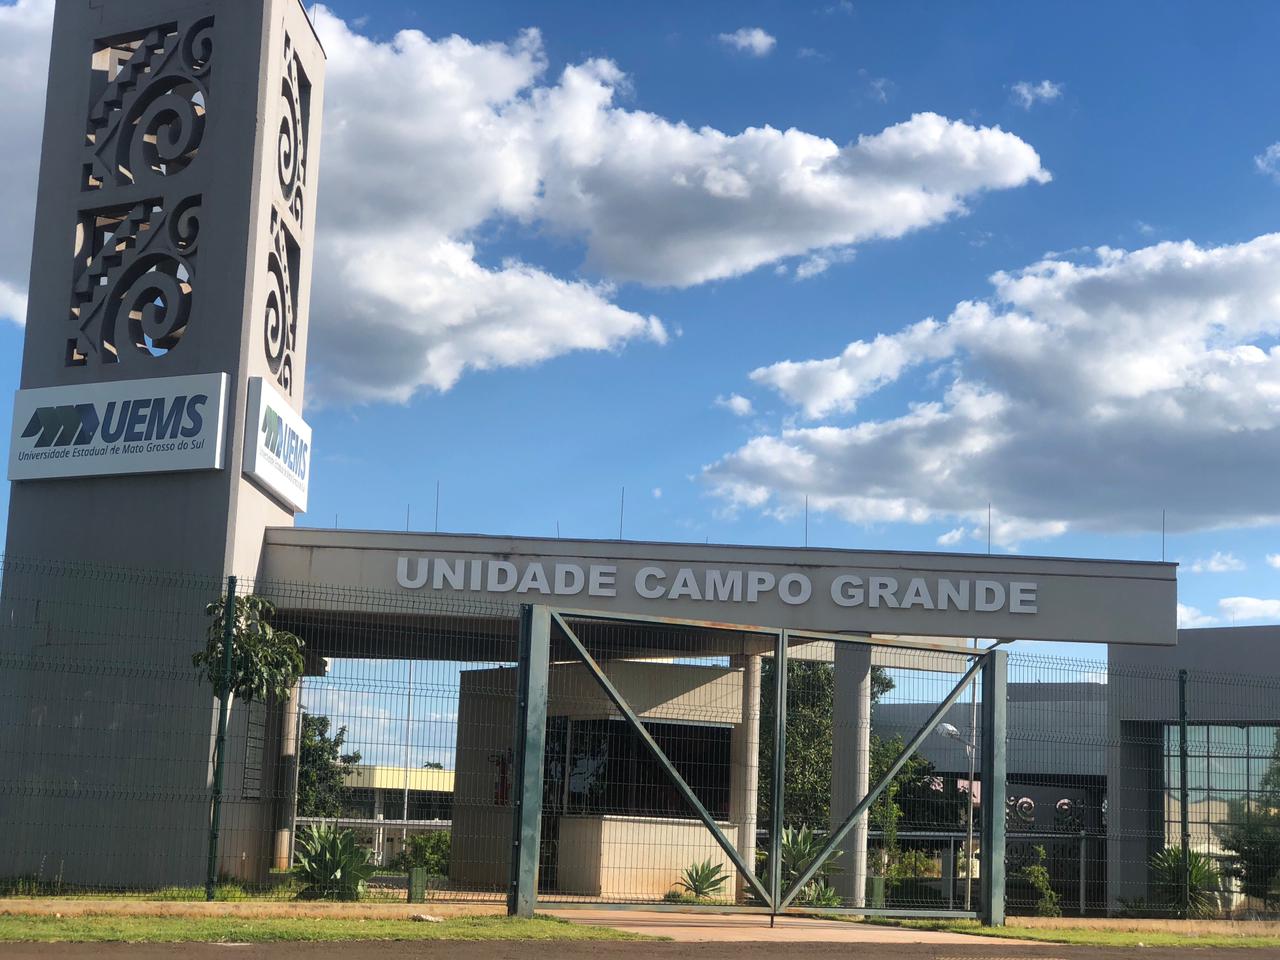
(949, 731)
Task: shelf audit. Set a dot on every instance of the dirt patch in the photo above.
(1226, 928)
(248, 909)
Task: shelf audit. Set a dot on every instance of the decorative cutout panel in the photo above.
(131, 299)
(147, 119)
(280, 328)
(135, 259)
(288, 214)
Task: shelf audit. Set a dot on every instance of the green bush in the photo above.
(1037, 875)
(429, 850)
(331, 865)
(702, 880)
(1204, 884)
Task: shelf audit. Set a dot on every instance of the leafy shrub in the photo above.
(429, 850)
(702, 880)
(1203, 881)
(819, 893)
(678, 896)
(1037, 875)
(331, 865)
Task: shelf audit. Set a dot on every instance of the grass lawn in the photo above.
(173, 929)
(1093, 937)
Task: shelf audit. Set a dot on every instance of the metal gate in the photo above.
(644, 735)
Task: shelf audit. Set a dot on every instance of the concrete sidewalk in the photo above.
(754, 928)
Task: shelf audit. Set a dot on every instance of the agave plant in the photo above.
(702, 880)
(331, 865)
(799, 849)
(819, 893)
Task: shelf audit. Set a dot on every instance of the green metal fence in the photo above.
(538, 756)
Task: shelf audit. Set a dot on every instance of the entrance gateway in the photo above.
(159, 427)
(652, 633)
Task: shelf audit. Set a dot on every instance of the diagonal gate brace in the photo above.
(685, 790)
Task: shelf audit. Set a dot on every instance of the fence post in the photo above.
(530, 745)
(995, 714)
(224, 707)
(1183, 793)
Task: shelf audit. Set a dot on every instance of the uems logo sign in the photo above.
(134, 421)
(277, 451)
(283, 442)
(134, 426)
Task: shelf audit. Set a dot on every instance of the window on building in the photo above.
(610, 771)
(1229, 775)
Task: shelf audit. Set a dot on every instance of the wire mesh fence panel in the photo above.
(631, 810)
(110, 738)
(852, 710)
(1099, 798)
(398, 738)
(104, 729)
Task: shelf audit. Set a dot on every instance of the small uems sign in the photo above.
(127, 426)
(277, 445)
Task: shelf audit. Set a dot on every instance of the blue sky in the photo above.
(534, 285)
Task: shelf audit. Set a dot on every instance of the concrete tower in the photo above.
(158, 424)
(173, 238)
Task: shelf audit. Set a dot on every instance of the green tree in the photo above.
(807, 794)
(321, 768)
(265, 662)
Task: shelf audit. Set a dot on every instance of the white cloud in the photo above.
(1218, 563)
(24, 51)
(752, 40)
(663, 204)
(1083, 394)
(1237, 609)
(1005, 532)
(433, 145)
(818, 263)
(401, 302)
(879, 88)
(1268, 161)
(657, 493)
(1191, 617)
(1273, 560)
(1027, 94)
(736, 404)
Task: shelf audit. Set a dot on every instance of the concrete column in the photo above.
(744, 762)
(851, 764)
(287, 791)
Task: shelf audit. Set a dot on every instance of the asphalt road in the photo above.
(453, 950)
